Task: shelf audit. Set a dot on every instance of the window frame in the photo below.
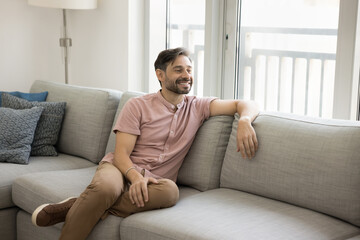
(156, 15)
(347, 67)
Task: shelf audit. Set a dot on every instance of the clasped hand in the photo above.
(138, 191)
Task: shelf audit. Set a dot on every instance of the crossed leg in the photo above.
(108, 193)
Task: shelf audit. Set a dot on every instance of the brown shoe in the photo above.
(50, 214)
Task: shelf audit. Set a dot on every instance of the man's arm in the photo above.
(138, 190)
(247, 142)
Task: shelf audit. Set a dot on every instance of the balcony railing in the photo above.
(195, 43)
(287, 80)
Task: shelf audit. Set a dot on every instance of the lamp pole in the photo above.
(66, 43)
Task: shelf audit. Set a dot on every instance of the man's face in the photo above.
(178, 76)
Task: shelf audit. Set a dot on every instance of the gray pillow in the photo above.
(17, 128)
(48, 129)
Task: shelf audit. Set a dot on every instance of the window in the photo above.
(195, 24)
(299, 56)
(287, 56)
(186, 28)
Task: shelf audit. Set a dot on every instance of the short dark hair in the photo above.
(168, 56)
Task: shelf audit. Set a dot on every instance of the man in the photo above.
(153, 134)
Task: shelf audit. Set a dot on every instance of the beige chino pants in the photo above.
(108, 193)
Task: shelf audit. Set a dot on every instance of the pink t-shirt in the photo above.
(164, 135)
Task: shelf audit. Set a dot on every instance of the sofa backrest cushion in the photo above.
(312, 163)
(88, 117)
(124, 98)
(202, 165)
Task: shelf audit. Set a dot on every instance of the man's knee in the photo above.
(106, 188)
(108, 180)
(169, 192)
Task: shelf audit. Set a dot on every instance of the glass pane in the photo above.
(287, 55)
(186, 28)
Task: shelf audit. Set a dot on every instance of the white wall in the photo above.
(107, 46)
(100, 45)
(136, 44)
(27, 36)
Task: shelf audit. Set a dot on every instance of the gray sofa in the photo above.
(302, 184)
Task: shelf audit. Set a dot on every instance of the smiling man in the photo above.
(154, 132)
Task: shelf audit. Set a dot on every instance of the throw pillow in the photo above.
(17, 128)
(40, 97)
(48, 129)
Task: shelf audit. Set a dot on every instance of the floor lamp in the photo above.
(65, 41)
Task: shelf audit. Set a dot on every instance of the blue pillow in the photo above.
(39, 97)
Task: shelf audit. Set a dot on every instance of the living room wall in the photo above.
(26, 39)
(107, 46)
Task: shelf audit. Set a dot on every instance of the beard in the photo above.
(179, 86)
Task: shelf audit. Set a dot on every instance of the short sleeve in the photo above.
(203, 106)
(129, 118)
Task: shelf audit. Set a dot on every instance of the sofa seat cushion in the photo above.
(105, 229)
(31, 190)
(9, 172)
(8, 223)
(230, 214)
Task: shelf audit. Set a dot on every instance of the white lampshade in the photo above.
(65, 4)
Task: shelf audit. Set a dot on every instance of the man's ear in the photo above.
(160, 74)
